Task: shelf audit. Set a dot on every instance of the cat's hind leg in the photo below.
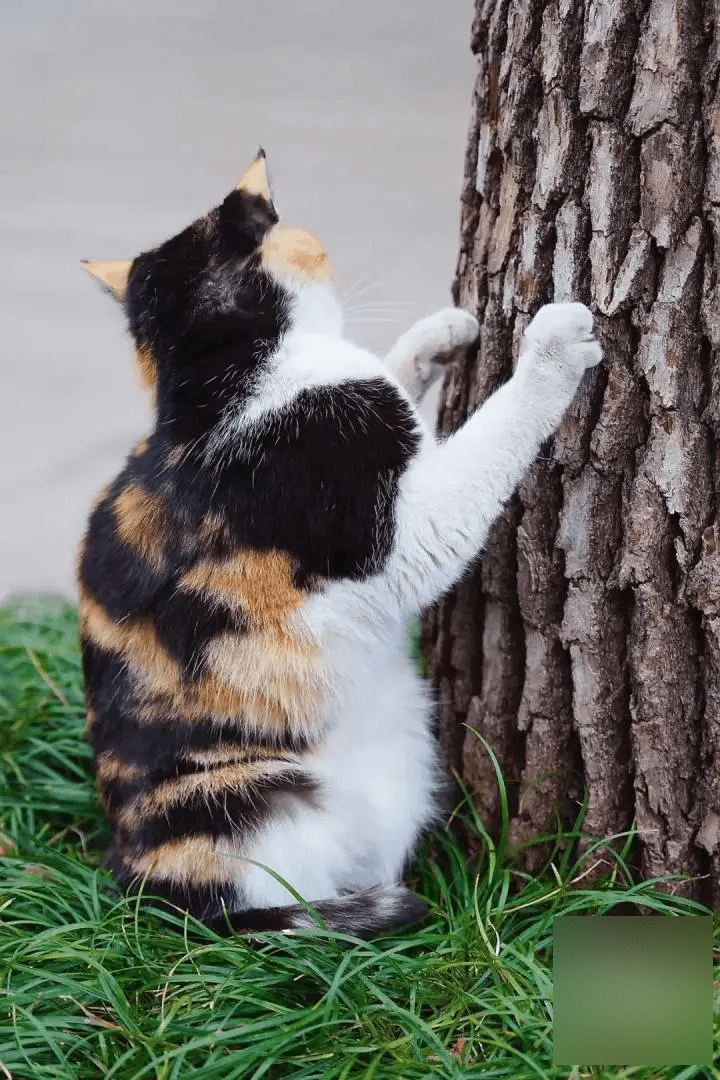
(417, 357)
(223, 853)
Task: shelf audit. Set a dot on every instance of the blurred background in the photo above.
(121, 123)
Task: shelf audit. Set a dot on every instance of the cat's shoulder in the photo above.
(319, 387)
(310, 361)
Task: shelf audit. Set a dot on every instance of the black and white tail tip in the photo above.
(360, 914)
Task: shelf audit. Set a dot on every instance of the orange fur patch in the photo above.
(254, 181)
(147, 366)
(142, 523)
(211, 697)
(134, 639)
(158, 683)
(287, 673)
(109, 767)
(202, 860)
(113, 273)
(295, 253)
(270, 661)
(235, 752)
(257, 582)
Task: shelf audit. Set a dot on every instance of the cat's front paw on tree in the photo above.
(561, 337)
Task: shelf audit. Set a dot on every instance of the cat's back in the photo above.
(206, 581)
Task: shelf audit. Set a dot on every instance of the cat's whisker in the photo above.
(356, 320)
(363, 285)
(385, 309)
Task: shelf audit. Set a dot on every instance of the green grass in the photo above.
(95, 985)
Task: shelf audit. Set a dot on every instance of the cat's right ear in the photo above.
(113, 274)
(248, 212)
(254, 181)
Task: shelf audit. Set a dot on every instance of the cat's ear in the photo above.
(254, 181)
(248, 212)
(114, 275)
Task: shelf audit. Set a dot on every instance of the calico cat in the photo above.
(246, 581)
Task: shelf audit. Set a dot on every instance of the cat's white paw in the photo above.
(561, 337)
(438, 337)
(446, 331)
(417, 357)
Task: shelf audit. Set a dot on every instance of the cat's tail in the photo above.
(360, 914)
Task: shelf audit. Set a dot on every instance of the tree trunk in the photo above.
(585, 647)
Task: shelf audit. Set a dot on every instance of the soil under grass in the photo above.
(96, 985)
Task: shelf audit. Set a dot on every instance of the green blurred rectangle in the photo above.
(632, 990)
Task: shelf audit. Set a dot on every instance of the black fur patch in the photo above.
(185, 623)
(243, 221)
(160, 745)
(209, 314)
(320, 482)
(223, 812)
(360, 914)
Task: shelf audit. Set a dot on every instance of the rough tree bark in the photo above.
(586, 645)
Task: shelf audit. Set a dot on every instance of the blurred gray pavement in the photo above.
(120, 123)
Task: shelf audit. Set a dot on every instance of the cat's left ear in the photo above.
(113, 274)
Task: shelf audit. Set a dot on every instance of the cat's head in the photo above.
(215, 300)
